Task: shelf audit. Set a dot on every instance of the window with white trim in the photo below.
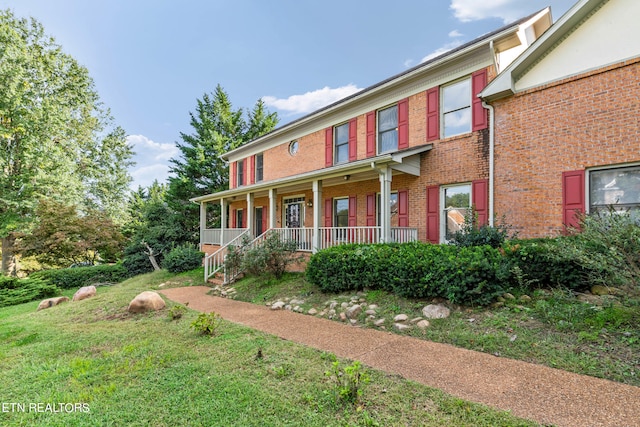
(259, 167)
(618, 188)
(240, 173)
(388, 129)
(456, 108)
(341, 143)
(456, 207)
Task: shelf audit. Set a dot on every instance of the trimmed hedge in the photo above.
(68, 278)
(464, 275)
(17, 291)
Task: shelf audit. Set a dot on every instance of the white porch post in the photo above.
(317, 204)
(273, 198)
(203, 222)
(385, 203)
(250, 214)
(223, 220)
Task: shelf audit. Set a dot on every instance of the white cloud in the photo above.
(152, 160)
(444, 49)
(474, 10)
(310, 101)
(455, 33)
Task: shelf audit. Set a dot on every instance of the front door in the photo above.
(293, 212)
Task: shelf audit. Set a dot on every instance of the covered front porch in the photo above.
(350, 203)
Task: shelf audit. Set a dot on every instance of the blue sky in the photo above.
(151, 60)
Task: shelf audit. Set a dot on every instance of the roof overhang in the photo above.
(504, 84)
(405, 161)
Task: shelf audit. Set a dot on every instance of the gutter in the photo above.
(491, 160)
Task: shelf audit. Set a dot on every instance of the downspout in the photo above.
(491, 159)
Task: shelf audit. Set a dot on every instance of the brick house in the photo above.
(567, 120)
(402, 160)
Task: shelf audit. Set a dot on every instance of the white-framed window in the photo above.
(259, 167)
(456, 203)
(617, 187)
(341, 143)
(240, 173)
(456, 108)
(388, 129)
(293, 148)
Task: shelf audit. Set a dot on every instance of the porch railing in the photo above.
(213, 236)
(215, 262)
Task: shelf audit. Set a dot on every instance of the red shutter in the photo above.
(403, 124)
(233, 218)
(328, 212)
(433, 113)
(233, 174)
(328, 147)
(371, 210)
(478, 112)
(265, 219)
(572, 197)
(371, 134)
(480, 200)
(353, 139)
(433, 214)
(403, 208)
(252, 169)
(353, 211)
(244, 220)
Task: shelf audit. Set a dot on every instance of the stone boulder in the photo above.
(50, 302)
(84, 293)
(436, 311)
(353, 312)
(146, 301)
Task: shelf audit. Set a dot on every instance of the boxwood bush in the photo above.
(465, 275)
(68, 278)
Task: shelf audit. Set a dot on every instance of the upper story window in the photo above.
(259, 167)
(293, 148)
(240, 173)
(456, 108)
(388, 129)
(341, 143)
(619, 188)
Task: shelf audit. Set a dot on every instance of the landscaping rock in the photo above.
(508, 296)
(296, 302)
(343, 317)
(400, 318)
(353, 312)
(146, 301)
(84, 293)
(525, 298)
(423, 324)
(370, 312)
(401, 327)
(312, 311)
(278, 305)
(50, 302)
(379, 322)
(599, 290)
(436, 311)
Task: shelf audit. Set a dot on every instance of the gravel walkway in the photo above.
(546, 395)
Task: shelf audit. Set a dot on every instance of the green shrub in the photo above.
(136, 261)
(271, 257)
(68, 278)
(207, 323)
(348, 381)
(472, 235)
(607, 248)
(469, 275)
(183, 258)
(17, 291)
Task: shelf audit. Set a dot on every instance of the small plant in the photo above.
(207, 323)
(176, 312)
(473, 234)
(348, 381)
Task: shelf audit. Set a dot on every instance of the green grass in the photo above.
(148, 370)
(553, 329)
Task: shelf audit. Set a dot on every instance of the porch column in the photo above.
(203, 222)
(250, 214)
(385, 203)
(223, 220)
(273, 198)
(317, 204)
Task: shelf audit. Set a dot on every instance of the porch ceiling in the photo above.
(401, 162)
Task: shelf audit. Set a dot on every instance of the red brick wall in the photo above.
(581, 122)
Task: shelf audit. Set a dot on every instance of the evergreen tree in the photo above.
(217, 128)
